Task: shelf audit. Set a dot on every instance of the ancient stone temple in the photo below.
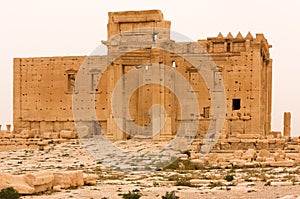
(44, 86)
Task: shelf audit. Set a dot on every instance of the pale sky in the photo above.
(35, 28)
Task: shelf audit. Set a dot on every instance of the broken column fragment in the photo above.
(287, 124)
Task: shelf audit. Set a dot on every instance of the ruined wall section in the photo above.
(43, 89)
(149, 29)
(134, 28)
(246, 69)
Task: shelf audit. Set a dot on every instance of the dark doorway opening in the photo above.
(236, 104)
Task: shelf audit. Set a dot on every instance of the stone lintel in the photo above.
(135, 16)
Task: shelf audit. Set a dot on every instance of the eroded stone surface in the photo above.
(43, 98)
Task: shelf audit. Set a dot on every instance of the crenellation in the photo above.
(249, 36)
(239, 36)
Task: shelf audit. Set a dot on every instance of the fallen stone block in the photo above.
(17, 182)
(238, 153)
(90, 179)
(57, 188)
(68, 179)
(39, 178)
(4, 180)
(183, 156)
(36, 133)
(287, 163)
(270, 159)
(23, 188)
(293, 156)
(281, 183)
(194, 156)
(25, 134)
(248, 136)
(249, 155)
(260, 159)
(41, 181)
(199, 162)
(271, 141)
(68, 134)
(280, 141)
(234, 140)
(9, 135)
(281, 153)
(262, 144)
(212, 158)
(55, 135)
(248, 140)
(199, 182)
(238, 163)
(42, 143)
(2, 134)
(277, 157)
(264, 153)
(46, 135)
(50, 135)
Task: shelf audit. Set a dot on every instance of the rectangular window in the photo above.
(94, 82)
(154, 36)
(206, 112)
(174, 64)
(228, 48)
(236, 104)
(71, 82)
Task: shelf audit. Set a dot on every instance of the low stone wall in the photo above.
(241, 152)
(32, 183)
(232, 144)
(35, 133)
(31, 143)
(246, 158)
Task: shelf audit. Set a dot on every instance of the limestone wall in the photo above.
(246, 69)
(43, 87)
(42, 93)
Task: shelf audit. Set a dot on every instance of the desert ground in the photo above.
(267, 182)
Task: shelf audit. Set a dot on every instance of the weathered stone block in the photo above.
(248, 136)
(27, 134)
(36, 132)
(249, 155)
(277, 157)
(264, 153)
(238, 154)
(281, 183)
(68, 134)
(281, 153)
(286, 163)
(39, 178)
(46, 135)
(90, 179)
(17, 182)
(68, 179)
